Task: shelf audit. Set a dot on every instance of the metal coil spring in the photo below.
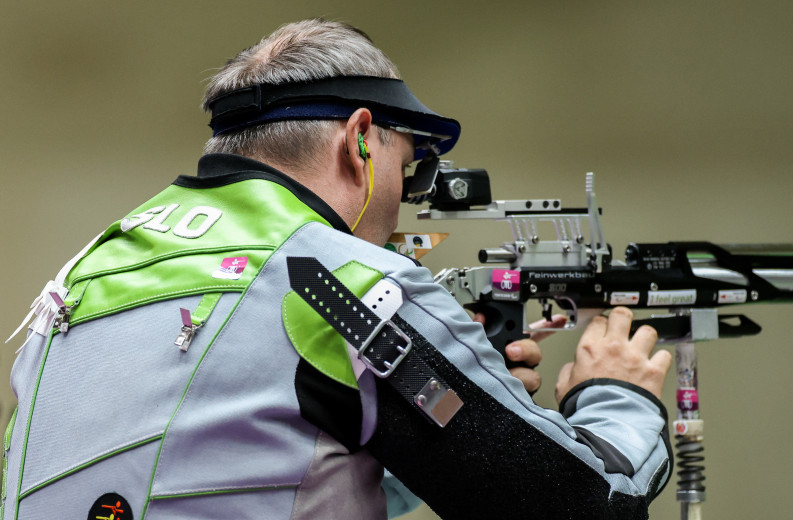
(689, 460)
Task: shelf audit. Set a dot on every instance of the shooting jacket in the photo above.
(257, 411)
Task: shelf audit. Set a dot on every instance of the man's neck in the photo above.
(324, 179)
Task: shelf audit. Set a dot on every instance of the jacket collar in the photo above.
(220, 169)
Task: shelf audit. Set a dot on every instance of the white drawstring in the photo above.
(44, 307)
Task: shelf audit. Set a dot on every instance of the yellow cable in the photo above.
(371, 188)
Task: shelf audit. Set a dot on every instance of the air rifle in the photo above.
(689, 281)
(580, 277)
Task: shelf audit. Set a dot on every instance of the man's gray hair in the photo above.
(300, 51)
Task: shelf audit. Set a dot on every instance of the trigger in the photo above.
(547, 313)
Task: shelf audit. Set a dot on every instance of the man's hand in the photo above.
(528, 353)
(605, 351)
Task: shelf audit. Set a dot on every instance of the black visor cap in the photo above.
(391, 102)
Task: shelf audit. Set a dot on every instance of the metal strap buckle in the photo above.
(401, 348)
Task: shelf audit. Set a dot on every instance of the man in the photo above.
(241, 346)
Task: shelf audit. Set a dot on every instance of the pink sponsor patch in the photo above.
(231, 268)
(687, 399)
(506, 280)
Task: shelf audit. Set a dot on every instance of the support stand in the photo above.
(689, 427)
(689, 435)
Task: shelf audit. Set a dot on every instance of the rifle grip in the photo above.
(503, 324)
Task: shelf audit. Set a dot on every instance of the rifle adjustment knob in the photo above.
(496, 255)
(458, 189)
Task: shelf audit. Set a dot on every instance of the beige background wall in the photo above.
(683, 109)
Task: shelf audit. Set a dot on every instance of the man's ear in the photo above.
(359, 123)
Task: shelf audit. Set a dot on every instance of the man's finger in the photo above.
(524, 351)
(562, 383)
(619, 324)
(645, 337)
(595, 330)
(662, 360)
(531, 379)
(557, 322)
(564, 372)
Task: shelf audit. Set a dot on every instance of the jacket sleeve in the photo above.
(502, 456)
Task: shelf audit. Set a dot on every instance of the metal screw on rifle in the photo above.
(567, 248)
(535, 239)
(579, 239)
(598, 288)
(533, 288)
(450, 280)
(653, 286)
(755, 295)
(434, 384)
(522, 248)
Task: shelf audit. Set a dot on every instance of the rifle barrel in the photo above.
(759, 249)
(782, 279)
